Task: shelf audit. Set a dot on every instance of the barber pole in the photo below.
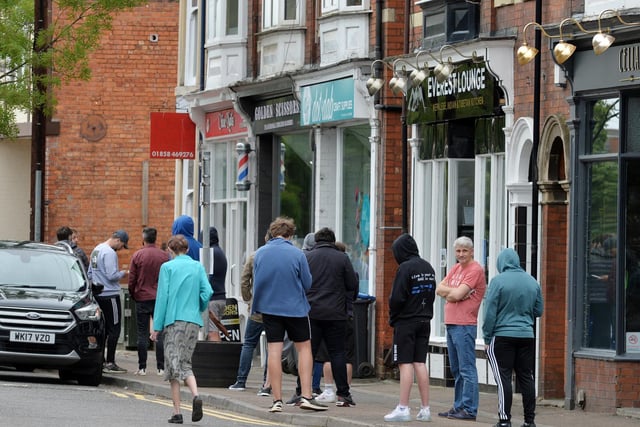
(243, 183)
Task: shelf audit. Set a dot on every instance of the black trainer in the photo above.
(448, 412)
(345, 401)
(175, 419)
(196, 411)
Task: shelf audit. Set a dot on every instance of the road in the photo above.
(41, 399)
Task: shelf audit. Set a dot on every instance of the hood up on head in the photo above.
(404, 247)
(183, 225)
(508, 259)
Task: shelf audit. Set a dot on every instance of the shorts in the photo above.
(216, 307)
(349, 347)
(411, 342)
(297, 328)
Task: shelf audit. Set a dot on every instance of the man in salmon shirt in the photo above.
(463, 289)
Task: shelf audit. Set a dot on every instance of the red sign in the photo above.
(173, 136)
(224, 123)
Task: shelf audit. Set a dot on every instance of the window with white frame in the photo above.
(343, 5)
(191, 44)
(223, 19)
(277, 13)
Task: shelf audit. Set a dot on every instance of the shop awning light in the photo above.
(526, 53)
(563, 50)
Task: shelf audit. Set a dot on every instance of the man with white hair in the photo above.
(463, 289)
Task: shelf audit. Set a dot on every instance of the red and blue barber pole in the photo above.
(243, 183)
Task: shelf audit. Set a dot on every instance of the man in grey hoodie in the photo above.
(512, 303)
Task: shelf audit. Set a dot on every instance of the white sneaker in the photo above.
(398, 415)
(424, 415)
(141, 372)
(327, 396)
(160, 372)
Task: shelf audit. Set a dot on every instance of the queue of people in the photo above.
(307, 296)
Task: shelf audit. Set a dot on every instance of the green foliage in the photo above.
(31, 64)
(603, 200)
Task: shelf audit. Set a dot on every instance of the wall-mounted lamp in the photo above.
(443, 70)
(418, 74)
(526, 53)
(563, 50)
(374, 84)
(243, 150)
(399, 83)
(403, 80)
(602, 41)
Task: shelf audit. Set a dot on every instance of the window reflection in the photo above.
(356, 167)
(601, 205)
(632, 284)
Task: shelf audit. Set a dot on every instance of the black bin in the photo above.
(130, 323)
(362, 367)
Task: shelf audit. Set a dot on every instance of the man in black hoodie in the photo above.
(334, 280)
(410, 313)
(217, 279)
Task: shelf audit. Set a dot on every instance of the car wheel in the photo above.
(94, 379)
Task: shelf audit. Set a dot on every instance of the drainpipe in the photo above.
(536, 144)
(38, 134)
(204, 158)
(403, 121)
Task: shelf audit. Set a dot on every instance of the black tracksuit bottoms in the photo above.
(506, 355)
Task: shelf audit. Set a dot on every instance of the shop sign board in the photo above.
(468, 92)
(224, 123)
(327, 102)
(172, 136)
(276, 114)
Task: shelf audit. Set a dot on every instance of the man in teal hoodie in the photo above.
(511, 305)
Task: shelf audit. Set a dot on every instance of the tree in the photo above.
(61, 47)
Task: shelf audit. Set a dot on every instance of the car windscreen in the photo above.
(34, 269)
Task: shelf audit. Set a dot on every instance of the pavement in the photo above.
(374, 398)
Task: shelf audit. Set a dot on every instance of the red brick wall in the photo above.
(96, 187)
(608, 385)
(553, 279)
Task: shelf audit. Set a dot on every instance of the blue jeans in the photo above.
(252, 333)
(461, 344)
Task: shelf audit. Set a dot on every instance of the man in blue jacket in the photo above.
(281, 278)
(511, 305)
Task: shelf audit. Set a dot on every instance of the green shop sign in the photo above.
(327, 102)
(468, 92)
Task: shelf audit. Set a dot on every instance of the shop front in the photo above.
(604, 241)
(458, 182)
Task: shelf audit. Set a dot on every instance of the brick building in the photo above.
(99, 175)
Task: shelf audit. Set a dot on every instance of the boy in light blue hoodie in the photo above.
(511, 305)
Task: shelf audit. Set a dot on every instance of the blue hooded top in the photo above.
(184, 225)
(512, 302)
